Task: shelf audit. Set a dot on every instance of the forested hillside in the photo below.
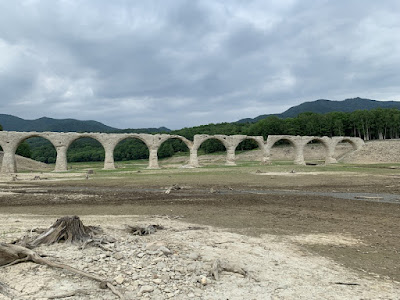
(367, 124)
(323, 106)
(12, 123)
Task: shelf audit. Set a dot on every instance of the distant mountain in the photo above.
(323, 106)
(12, 123)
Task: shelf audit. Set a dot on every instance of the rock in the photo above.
(154, 246)
(118, 256)
(141, 254)
(146, 289)
(203, 280)
(193, 256)
(119, 279)
(157, 281)
(165, 250)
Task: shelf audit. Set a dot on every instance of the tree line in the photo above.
(367, 124)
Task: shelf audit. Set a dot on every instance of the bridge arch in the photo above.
(257, 140)
(91, 145)
(9, 141)
(49, 142)
(200, 139)
(163, 140)
(324, 141)
(294, 141)
(130, 147)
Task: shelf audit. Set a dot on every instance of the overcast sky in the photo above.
(134, 64)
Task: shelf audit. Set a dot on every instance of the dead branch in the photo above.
(9, 254)
(70, 294)
(220, 266)
(143, 230)
(174, 187)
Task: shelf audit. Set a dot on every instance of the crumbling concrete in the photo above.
(10, 140)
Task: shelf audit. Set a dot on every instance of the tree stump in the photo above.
(66, 229)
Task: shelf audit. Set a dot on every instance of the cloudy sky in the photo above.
(183, 63)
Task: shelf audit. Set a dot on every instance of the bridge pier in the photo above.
(230, 156)
(109, 159)
(153, 159)
(9, 165)
(61, 160)
(194, 159)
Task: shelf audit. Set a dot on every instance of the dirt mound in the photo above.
(27, 164)
(382, 151)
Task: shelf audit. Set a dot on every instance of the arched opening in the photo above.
(315, 152)
(343, 148)
(85, 152)
(283, 151)
(212, 151)
(173, 152)
(35, 154)
(243, 153)
(131, 152)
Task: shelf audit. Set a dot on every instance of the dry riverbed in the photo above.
(279, 244)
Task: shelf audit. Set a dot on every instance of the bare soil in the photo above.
(259, 207)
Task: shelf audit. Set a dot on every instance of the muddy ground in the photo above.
(235, 201)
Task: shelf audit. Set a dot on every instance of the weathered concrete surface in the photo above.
(10, 140)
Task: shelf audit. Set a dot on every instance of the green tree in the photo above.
(24, 150)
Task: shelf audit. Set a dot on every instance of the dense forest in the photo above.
(367, 124)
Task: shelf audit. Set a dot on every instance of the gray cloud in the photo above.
(184, 63)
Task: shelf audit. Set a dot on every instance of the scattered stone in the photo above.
(165, 250)
(146, 289)
(119, 279)
(203, 280)
(193, 256)
(118, 256)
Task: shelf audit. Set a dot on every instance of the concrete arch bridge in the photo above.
(10, 140)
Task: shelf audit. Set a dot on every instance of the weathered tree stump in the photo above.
(66, 229)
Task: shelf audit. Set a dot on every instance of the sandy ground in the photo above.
(278, 268)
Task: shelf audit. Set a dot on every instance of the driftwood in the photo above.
(220, 266)
(143, 230)
(12, 254)
(174, 187)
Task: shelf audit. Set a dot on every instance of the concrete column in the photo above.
(299, 159)
(9, 164)
(109, 158)
(61, 160)
(153, 159)
(266, 154)
(230, 156)
(330, 153)
(194, 159)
